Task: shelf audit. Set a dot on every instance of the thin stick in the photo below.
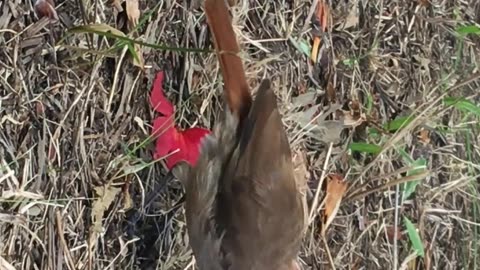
(63, 242)
(319, 187)
(388, 184)
(395, 231)
(330, 258)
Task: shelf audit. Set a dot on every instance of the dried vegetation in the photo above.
(79, 190)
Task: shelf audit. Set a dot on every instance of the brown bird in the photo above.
(244, 207)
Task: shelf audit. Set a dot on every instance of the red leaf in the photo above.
(158, 100)
(163, 128)
(186, 144)
(168, 139)
(192, 138)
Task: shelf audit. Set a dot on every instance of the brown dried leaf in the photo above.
(424, 3)
(331, 94)
(424, 136)
(133, 12)
(301, 178)
(391, 233)
(127, 198)
(322, 14)
(336, 187)
(352, 18)
(349, 120)
(106, 195)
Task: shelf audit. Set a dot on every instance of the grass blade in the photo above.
(365, 148)
(398, 123)
(414, 237)
(462, 104)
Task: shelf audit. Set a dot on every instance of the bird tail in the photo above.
(236, 89)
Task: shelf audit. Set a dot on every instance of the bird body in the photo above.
(244, 207)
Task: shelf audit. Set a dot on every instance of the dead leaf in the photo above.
(336, 188)
(331, 94)
(322, 14)
(133, 12)
(391, 233)
(317, 127)
(424, 3)
(350, 120)
(328, 131)
(106, 195)
(355, 108)
(352, 17)
(301, 178)
(424, 136)
(127, 198)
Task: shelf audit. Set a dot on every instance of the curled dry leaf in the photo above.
(106, 195)
(46, 8)
(336, 187)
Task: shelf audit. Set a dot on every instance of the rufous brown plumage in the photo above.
(244, 207)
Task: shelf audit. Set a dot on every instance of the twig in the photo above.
(388, 184)
(330, 258)
(63, 243)
(319, 187)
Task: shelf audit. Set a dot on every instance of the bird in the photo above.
(244, 208)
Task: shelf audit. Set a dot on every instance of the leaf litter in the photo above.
(412, 45)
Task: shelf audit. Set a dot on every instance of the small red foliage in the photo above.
(158, 100)
(185, 143)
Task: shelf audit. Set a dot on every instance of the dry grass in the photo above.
(73, 121)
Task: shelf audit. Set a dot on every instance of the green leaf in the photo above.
(398, 123)
(365, 148)
(414, 237)
(409, 187)
(301, 46)
(468, 29)
(462, 104)
(350, 62)
(373, 133)
(100, 29)
(305, 48)
(419, 166)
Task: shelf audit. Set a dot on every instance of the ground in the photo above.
(79, 190)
